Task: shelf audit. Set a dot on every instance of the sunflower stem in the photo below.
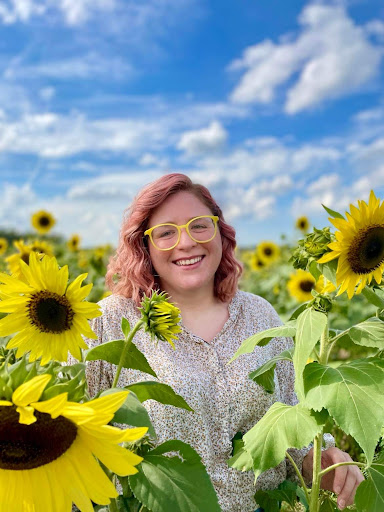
(128, 338)
(318, 441)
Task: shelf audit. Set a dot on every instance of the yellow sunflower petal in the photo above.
(54, 406)
(31, 390)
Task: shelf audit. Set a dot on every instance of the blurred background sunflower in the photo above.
(43, 221)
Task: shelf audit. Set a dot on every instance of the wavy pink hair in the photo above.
(130, 272)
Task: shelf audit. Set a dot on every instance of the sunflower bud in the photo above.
(160, 317)
(321, 303)
(311, 248)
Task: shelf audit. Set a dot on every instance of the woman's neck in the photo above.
(193, 300)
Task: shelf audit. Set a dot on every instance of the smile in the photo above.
(189, 261)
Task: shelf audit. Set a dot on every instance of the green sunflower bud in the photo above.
(160, 317)
(311, 248)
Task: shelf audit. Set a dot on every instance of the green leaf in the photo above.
(174, 484)
(353, 395)
(333, 213)
(285, 492)
(310, 326)
(241, 459)
(266, 501)
(264, 337)
(328, 505)
(370, 493)
(151, 390)
(298, 311)
(373, 297)
(369, 333)
(329, 270)
(282, 427)
(111, 352)
(125, 327)
(132, 412)
(314, 269)
(264, 375)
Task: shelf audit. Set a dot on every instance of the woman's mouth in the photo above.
(188, 262)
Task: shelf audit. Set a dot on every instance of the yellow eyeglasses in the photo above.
(200, 229)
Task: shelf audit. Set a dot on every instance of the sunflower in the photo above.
(73, 243)
(256, 262)
(302, 223)
(48, 316)
(3, 245)
(49, 450)
(160, 317)
(13, 261)
(268, 252)
(43, 221)
(359, 246)
(300, 285)
(42, 247)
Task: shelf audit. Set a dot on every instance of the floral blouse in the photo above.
(224, 400)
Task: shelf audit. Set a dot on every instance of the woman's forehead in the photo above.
(178, 209)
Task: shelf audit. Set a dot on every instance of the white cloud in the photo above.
(205, 140)
(47, 93)
(148, 159)
(332, 55)
(91, 65)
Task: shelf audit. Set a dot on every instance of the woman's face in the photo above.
(174, 277)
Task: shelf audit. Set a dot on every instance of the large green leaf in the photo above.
(353, 395)
(151, 390)
(282, 427)
(174, 484)
(264, 375)
(310, 326)
(370, 493)
(111, 352)
(264, 337)
(132, 412)
(369, 333)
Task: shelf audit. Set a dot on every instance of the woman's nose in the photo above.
(185, 240)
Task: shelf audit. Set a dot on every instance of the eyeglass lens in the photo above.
(201, 229)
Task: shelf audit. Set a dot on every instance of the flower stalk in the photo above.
(128, 338)
(318, 441)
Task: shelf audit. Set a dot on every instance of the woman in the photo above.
(193, 261)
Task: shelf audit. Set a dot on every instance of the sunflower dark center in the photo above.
(268, 251)
(302, 224)
(44, 221)
(306, 285)
(50, 312)
(31, 446)
(366, 252)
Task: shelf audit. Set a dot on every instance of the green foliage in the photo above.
(370, 493)
(151, 390)
(310, 326)
(267, 442)
(111, 352)
(352, 393)
(264, 375)
(175, 483)
(263, 338)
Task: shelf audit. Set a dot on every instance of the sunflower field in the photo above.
(61, 450)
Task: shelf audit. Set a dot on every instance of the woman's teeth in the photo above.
(189, 262)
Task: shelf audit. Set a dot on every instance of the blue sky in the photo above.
(276, 106)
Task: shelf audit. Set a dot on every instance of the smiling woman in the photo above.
(174, 239)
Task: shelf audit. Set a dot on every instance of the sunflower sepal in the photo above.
(333, 213)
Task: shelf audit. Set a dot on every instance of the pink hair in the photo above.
(132, 265)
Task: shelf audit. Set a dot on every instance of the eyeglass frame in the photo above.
(148, 232)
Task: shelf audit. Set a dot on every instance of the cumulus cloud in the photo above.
(331, 54)
(205, 140)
